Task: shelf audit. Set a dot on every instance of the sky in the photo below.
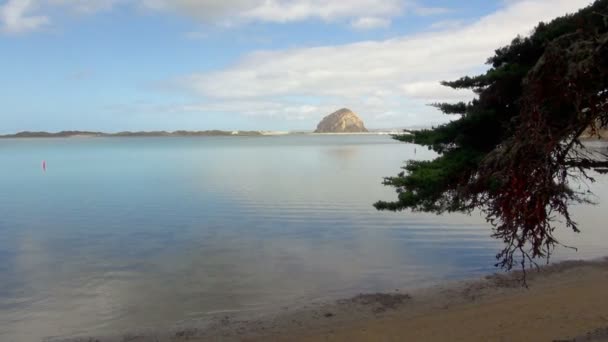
(114, 65)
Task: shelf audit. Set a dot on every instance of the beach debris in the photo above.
(379, 302)
(186, 333)
(597, 335)
(132, 338)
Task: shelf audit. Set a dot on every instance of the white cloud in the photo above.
(208, 10)
(447, 24)
(256, 108)
(362, 14)
(283, 11)
(229, 12)
(16, 16)
(21, 16)
(433, 91)
(391, 76)
(367, 23)
(383, 80)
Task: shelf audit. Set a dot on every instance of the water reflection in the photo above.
(342, 153)
(124, 233)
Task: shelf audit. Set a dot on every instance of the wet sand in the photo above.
(564, 302)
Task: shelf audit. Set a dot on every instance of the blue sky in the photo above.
(117, 65)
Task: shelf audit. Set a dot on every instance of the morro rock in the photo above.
(342, 121)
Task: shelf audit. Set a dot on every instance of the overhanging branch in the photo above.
(588, 164)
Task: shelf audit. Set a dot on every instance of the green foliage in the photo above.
(452, 108)
(513, 150)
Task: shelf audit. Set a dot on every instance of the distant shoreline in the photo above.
(90, 134)
(207, 133)
(216, 133)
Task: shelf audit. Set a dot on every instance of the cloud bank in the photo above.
(389, 82)
(19, 16)
(16, 16)
(383, 80)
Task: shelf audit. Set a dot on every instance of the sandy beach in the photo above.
(567, 301)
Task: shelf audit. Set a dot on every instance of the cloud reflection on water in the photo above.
(148, 232)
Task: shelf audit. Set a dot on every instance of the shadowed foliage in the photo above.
(515, 151)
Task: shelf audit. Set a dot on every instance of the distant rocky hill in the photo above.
(342, 121)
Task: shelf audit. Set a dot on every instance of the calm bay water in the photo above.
(146, 232)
